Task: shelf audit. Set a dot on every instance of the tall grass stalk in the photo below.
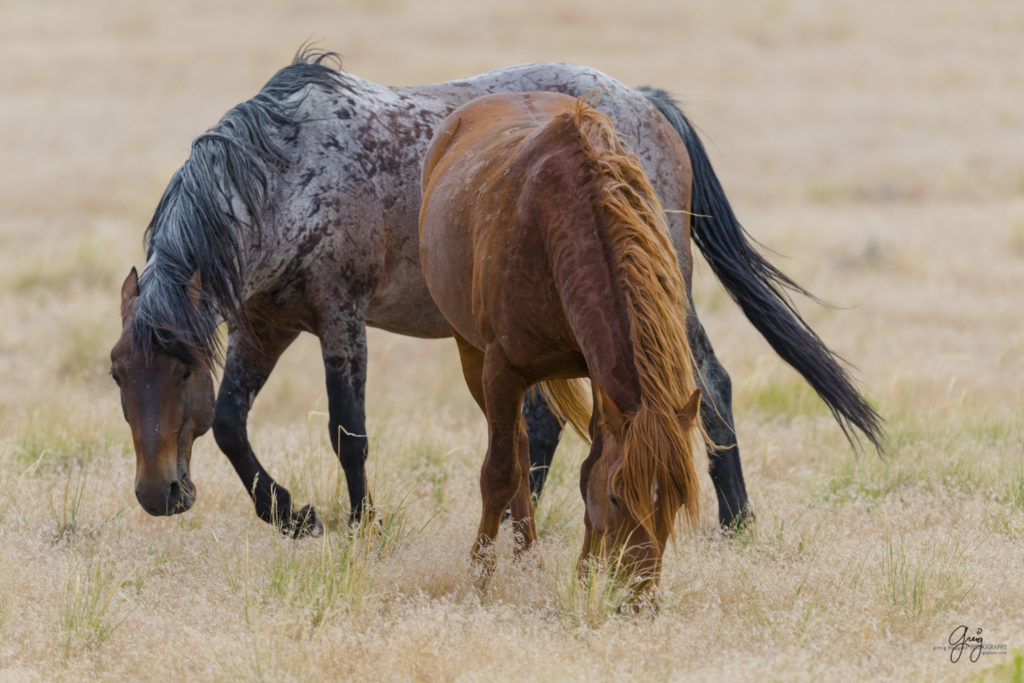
(925, 584)
(67, 516)
(85, 621)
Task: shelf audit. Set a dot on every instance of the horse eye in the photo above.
(614, 500)
(187, 375)
(117, 380)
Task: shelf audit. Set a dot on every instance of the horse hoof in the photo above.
(305, 522)
(741, 522)
(639, 606)
(366, 513)
(528, 556)
(483, 561)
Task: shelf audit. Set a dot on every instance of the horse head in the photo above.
(628, 504)
(168, 401)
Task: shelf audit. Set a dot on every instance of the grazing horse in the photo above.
(298, 212)
(545, 247)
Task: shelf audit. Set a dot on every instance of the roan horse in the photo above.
(545, 247)
(298, 212)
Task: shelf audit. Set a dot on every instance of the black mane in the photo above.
(195, 227)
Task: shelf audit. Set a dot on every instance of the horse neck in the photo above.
(203, 225)
(593, 304)
(620, 282)
(646, 272)
(635, 348)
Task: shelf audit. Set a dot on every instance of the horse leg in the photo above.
(498, 390)
(344, 356)
(524, 526)
(716, 414)
(246, 368)
(543, 429)
(582, 565)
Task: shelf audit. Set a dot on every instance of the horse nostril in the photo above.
(187, 487)
(173, 494)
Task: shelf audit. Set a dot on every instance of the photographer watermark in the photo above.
(969, 644)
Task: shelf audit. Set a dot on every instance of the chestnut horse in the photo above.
(297, 213)
(545, 247)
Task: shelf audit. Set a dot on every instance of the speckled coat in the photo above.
(298, 212)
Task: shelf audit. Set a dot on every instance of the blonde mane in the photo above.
(656, 447)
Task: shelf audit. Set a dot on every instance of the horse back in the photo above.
(501, 208)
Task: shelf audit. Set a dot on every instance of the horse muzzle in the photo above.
(165, 498)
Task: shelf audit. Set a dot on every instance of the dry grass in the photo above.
(879, 145)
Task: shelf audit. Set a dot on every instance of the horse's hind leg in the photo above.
(246, 368)
(716, 414)
(344, 355)
(544, 430)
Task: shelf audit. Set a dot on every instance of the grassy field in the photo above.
(878, 146)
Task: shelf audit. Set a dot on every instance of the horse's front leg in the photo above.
(343, 345)
(502, 474)
(498, 390)
(524, 525)
(246, 368)
(589, 537)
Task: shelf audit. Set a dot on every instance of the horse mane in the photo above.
(220, 191)
(656, 446)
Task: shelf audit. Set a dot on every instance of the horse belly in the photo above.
(402, 304)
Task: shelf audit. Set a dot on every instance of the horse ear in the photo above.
(130, 289)
(610, 412)
(194, 289)
(688, 414)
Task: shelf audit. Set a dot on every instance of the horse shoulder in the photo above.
(440, 143)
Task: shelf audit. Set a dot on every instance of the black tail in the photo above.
(759, 288)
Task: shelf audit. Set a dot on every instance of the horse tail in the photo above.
(759, 289)
(570, 401)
